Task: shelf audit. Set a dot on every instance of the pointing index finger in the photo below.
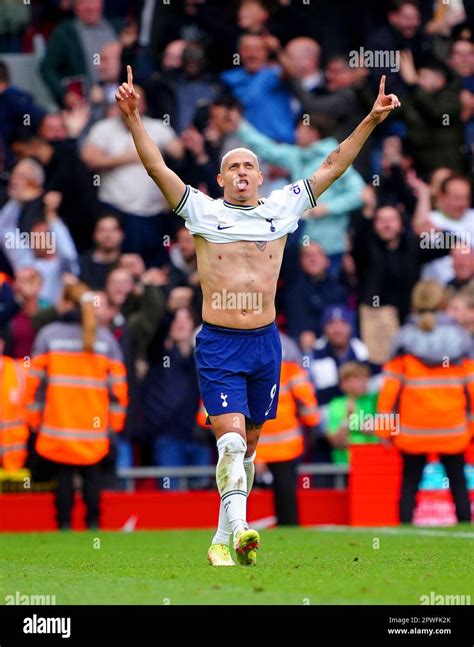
(129, 75)
(382, 85)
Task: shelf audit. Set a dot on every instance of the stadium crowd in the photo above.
(89, 249)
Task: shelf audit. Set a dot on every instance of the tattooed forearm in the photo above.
(328, 161)
(261, 244)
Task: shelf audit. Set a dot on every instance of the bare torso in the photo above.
(239, 281)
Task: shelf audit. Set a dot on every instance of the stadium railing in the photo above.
(130, 474)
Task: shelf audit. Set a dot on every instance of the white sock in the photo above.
(232, 482)
(224, 529)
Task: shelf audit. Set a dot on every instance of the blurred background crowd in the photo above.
(288, 79)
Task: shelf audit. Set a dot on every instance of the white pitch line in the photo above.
(396, 531)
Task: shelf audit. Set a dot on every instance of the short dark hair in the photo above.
(108, 214)
(226, 98)
(324, 124)
(435, 66)
(24, 135)
(398, 4)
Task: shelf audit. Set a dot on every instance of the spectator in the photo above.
(69, 67)
(67, 126)
(76, 397)
(452, 215)
(430, 102)
(396, 164)
(463, 267)
(327, 222)
(351, 417)
(337, 347)
(403, 32)
(309, 294)
(49, 248)
(172, 58)
(15, 104)
(102, 93)
(339, 98)
(161, 85)
(170, 412)
(183, 258)
(461, 62)
(301, 60)
(281, 442)
(25, 192)
(96, 264)
(13, 429)
(125, 187)
(8, 304)
(22, 327)
(258, 87)
(53, 127)
(461, 307)
(431, 396)
(206, 141)
(440, 27)
(179, 92)
(252, 17)
(388, 263)
(64, 172)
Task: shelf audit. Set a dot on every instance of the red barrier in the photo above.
(370, 500)
(374, 490)
(159, 510)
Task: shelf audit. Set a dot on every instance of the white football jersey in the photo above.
(219, 221)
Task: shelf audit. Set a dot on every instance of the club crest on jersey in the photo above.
(224, 397)
(272, 226)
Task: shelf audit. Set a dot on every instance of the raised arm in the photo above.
(342, 157)
(168, 182)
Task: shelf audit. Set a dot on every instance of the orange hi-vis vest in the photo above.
(75, 399)
(435, 404)
(281, 439)
(13, 428)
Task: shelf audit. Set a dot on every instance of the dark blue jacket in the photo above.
(171, 397)
(305, 300)
(15, 104)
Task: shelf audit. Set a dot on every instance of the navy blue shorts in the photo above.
(239, 370)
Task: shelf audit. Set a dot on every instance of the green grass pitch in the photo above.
(296, 566)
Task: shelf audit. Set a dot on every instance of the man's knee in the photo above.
(253, 434)
(231, 443)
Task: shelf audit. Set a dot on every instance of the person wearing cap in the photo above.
(337, 346)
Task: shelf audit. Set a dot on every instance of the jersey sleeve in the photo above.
(194, 205)
(293, 199)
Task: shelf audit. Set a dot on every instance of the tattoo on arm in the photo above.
(261, 244)
(328, 161)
